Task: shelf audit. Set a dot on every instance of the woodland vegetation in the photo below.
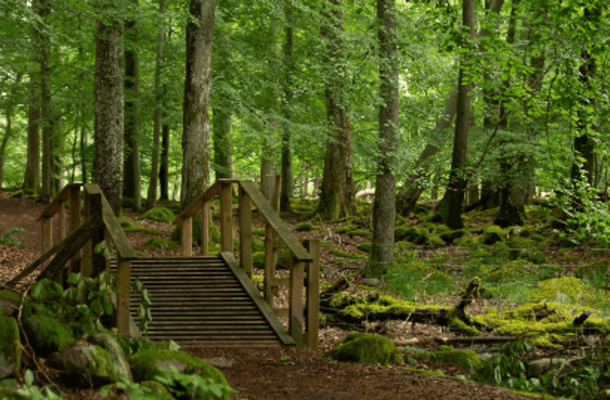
(478, 126)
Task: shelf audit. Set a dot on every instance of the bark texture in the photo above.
(164, 168)
(108, 130)
(31, 183)
(287, 182)
(196, 117)
(457, 179)
(131, 168)
(337, 197)
(384, 207)
(223, 147)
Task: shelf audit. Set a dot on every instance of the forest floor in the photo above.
(280, 372)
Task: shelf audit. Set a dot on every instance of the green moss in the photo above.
(365, 247)
(597, 270)
(414, 234)
(304, 227)
(158, 388)
(426, 372)
(145, 366)
(346, 254)
(514, 271)
(493, 234)
(451, 236)
(435, 240)
(159, 214)
(568, 289)
(467, 360)
(129, 225)
(383, 307)
(102, 365)
(459, 326)
(258, 232)
(359, 232)
(11, 296)
(49, 334)
(10, 343)
(367, 349)
(154, 243)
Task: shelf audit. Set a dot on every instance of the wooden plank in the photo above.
(47, 235)
(281, 312)
(313, 295)
(265, 309)
(295, 318)
(116, 232)
(75, 209)
(122, 314)
(196, 204)
(280, 282)
(205, 229)
(94, 200)
(282, 230)
(187, 237)
(62, 221)
(82, 230)
(245, 232)
(226, 218)
(61, 198)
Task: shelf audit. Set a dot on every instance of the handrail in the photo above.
(100, 223)
(304, 267)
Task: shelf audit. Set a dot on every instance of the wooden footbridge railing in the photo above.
(303, 316)
(75, 252)
(76, 248)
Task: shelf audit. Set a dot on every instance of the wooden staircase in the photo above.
(204, 301)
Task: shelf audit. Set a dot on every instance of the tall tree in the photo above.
(131, 167)
(457, 178)
(108, 129)
(154, 170)
(337, 197)
(384, 207)
(196, 118)
(287, 184)
(31, 182)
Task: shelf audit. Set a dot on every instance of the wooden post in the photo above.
(122, 312)
(270, 261)
(47, 237)
(74, 222)
(86, 268)
(313, 294)
(226, 208)
(95, 208)
(245, 232)
(295, 322)
(277, 194)
(187, 237)
(62, 221)
(205, 229)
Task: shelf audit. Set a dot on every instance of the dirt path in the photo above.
(269, 373)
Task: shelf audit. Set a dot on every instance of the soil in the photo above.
(276, 372)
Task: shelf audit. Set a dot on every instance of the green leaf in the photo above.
(96, 307)
(29, 378)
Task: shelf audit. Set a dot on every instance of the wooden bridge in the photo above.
(196, 300)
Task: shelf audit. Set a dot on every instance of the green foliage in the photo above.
(365, 247)
(143, 312)
(138, 391)
(415, 280)
(368, 349)
(129, 225)
(466, 360)
(10, 342)
(194, 386)
(159, 214)
(30, 391)
(506, 368)
(493, 234)
(10, 239)
(304, 227)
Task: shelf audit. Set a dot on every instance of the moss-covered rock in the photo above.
(414, 234)
(493, 234)
(47, 334)
(147, 364)
(84, 362)
(9, 303)
(368, 349)
(154, 243)
(450, 236)
(466, 360)
(10, 347)
(356, 308)
(159, 214)
(114, 349)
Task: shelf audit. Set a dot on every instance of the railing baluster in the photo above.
(122, 315)
(187, 237)
(205, 229)
(47, 236)
(245, 232)
(75, 208)
(313, 294)
(270, 262)
(295, 323)
(226, 218)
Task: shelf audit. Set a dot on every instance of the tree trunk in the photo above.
(43, 41)
(384, 207)
(267, 169)
(108, 129)
(164, 168)
(154, 168)
(83, 159)
(287, 182)
(338, 197)
(8, 130)
(31, 183)
(223, 147)
(457, 178)
(196, 118)
(131, 168)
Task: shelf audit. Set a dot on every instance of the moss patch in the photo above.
(367, 349)
(466, 360)
(159, 214)
(568, 290)
(10, 347)
(46, 334)
(158, 388)
(493, 234)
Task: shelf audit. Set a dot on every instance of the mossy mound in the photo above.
(47, 334)
(568, 290)
(367, 348)
(466, 360)
(450, 236)
(419, 269)
(147, 364)
(10, 347)
(304, 227)
(154, 243)
(384, 307)
(414, 234)
(514, 271)
(493, 234)
(129, 225)
(159, 214)
(158, 389)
